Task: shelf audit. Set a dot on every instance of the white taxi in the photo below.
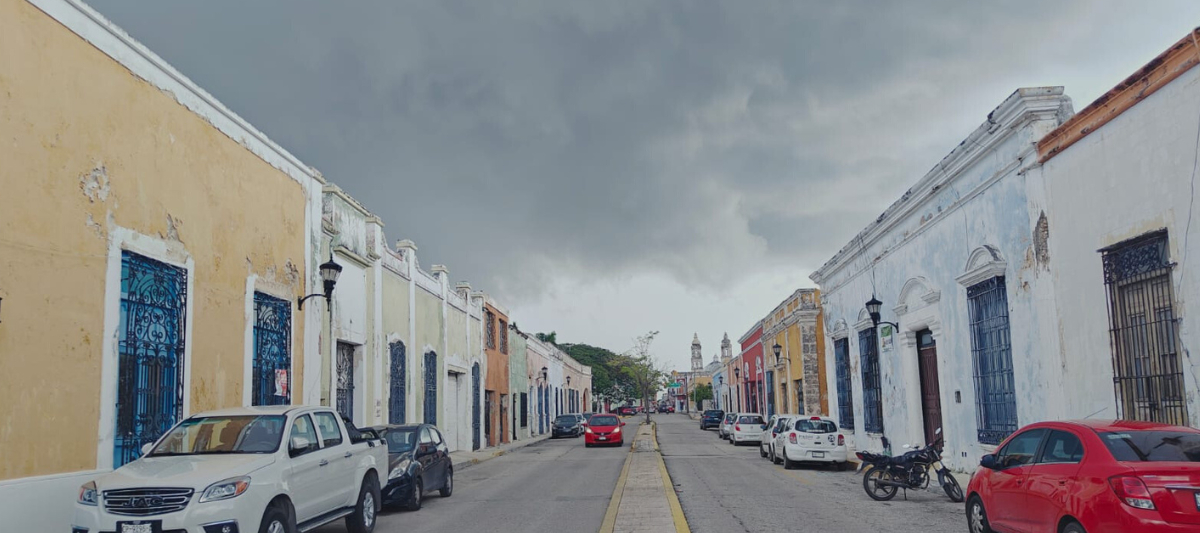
(747, 427)
(811, 439)
(775, 425)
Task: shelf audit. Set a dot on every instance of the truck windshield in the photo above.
(223, 434)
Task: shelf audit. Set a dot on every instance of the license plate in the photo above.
(818, 455)
(603, 438)
(141, 526)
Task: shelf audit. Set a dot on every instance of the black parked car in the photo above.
(419, 461)
(711, 418)
(567, 426)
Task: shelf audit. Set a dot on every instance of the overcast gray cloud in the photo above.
(678, 156)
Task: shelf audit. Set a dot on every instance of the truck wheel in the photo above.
(362, 520)
(275, 520)
(448, 489)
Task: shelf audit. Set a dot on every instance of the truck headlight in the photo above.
(223, 490)
(88, 494)
(400, 469)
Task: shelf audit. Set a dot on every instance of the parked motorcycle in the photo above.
(883, 475)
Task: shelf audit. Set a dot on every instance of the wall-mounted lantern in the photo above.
(329, 275)
(873, 306)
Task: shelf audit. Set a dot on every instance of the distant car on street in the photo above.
(1089, 476)
(603, 429)
(726, 425)
(775, 425)
(810, 439)
(711, 418)
(668, 409)
(626, 410)
(418, 461)
(566, 426)
(747, 428)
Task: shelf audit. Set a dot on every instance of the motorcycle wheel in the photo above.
(952, 488)
(878, 492)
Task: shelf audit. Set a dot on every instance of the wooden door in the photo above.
(931, 396)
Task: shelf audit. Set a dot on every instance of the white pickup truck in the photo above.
(278, 469)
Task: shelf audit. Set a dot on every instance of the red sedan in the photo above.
(1089, 477)
(603, 429)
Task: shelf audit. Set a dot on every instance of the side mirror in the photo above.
(622, 423)
(147, 447)
(989, 461)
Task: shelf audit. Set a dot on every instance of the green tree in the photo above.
(701, 392)
(551, 337)
(643, 371)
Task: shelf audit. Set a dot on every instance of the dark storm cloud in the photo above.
(519, 140)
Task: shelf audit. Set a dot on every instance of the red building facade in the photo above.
(749, 376)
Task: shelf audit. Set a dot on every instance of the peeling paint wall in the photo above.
(912, 257)
(98, 159)
(1131, 176)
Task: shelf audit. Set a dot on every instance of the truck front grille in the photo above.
(146, 502)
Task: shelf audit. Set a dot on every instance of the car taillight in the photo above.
(841, 440)
(1132, 491)
(737, 428)
(792, 438)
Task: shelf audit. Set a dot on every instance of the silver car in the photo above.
(727, 425)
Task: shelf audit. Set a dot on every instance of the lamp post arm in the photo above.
(300, 301)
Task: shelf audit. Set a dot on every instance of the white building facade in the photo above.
(949, 259)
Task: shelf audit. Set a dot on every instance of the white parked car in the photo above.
(747, 427)
(247, 470)
(775, 424)
(726, 425)
(814, 439)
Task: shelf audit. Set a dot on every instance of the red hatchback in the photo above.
(1089, 477)
(603, 429)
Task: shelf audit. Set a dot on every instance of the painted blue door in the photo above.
(431, 388)
(150, 353)
(272, 351)
(397, 403)
(475, 406)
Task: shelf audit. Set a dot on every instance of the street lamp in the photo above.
(777, 348)
(329, 275)
(873, 306)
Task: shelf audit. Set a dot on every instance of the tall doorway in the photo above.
(931, 395)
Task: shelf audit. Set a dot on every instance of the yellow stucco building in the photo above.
(797, 376)
(152, 247)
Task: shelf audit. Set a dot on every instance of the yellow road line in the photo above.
(798, 477)
(681, 525)
(610, 516)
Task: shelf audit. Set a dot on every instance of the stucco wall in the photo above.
(1130, 177)
(94, 150)
(395, 327)
(982, 200)
(428, 338)
(518, 380)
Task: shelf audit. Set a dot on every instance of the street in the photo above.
(554, 485)
(726, 488)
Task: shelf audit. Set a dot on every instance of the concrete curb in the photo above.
(681, 525)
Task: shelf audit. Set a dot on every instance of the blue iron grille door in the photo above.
(868, 346)
(272, 351)
(991, 351)
(524, 409)
(841, 359)
(399, 381)
(431, 388)
(770, 393)
(1147, 376)
(150, 353)
(345, 379)
(475, 406)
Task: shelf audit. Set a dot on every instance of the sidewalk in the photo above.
(644, 500)
(466, 458)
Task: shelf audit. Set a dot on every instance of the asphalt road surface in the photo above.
(726, 489)
(554, 486)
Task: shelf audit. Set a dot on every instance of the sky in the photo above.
(605, 169)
